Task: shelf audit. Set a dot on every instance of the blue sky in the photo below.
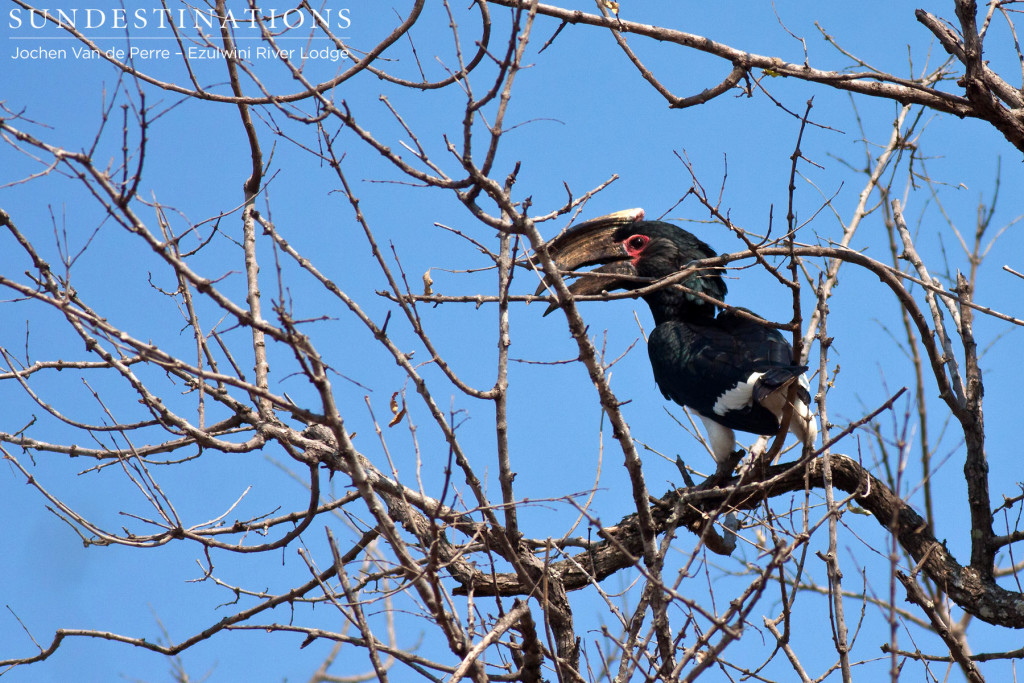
(582, 114)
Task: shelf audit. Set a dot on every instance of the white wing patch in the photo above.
(738, 397)
(802, 424)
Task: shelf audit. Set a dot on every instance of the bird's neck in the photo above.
(667, 305)
(675, 303)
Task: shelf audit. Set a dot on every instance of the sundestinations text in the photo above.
(162, 18)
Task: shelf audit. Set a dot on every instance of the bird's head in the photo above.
(631, 253)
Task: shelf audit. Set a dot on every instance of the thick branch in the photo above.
(985, 91)
(866, 83)
(975, 593)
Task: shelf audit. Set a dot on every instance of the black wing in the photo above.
(722, 367)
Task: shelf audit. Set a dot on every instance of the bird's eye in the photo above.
(636, 243)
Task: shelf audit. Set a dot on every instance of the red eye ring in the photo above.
(634, 244)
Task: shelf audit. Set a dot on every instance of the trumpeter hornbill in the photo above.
(733, 371)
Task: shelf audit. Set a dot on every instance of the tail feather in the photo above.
(780, 377)
(770, 391)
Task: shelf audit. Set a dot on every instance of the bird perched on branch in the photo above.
(725, 364)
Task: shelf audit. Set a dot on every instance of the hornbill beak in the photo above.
(589, 244)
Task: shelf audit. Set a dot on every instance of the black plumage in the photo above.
(734, 373)
(732, 370)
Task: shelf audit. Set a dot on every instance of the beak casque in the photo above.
(589, 244)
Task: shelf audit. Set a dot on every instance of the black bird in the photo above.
(733, 371)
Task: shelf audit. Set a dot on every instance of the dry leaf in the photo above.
(398, 414)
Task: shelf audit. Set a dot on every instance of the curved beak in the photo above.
(589, 244)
